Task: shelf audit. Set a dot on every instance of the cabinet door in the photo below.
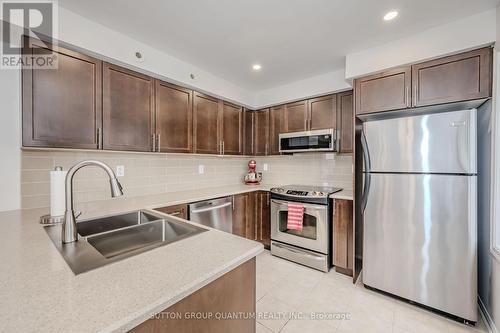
(345, 122)
(248, 132)
(177, 211)
(343, 236)
(386, 91)
(275, 128)
(206, 124)
(62, 107)
(243, 215)
(295, 116)
(128, 108)
(263, 218)
(322, 113)
(460, 77)
(232, 129)
(261, 131)
(174, 118)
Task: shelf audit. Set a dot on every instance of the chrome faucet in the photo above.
(69, 233)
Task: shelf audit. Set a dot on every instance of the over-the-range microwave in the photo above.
(309, 141)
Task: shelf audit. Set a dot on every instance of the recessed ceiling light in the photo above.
(390, 15)
(256, 67)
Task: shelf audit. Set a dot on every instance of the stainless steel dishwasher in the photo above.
(216, 213)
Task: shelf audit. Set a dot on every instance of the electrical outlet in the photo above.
(266, 167)
(120, 171)
(330, 156)
(201, 169)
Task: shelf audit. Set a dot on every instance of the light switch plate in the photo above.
(266, 167)
(330, 156)
(201, 169)
(120, 171)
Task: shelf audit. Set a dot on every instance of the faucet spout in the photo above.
(69, 232)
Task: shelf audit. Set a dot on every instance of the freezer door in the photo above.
(436, 143)
(420, 240)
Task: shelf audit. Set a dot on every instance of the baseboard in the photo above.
(488, 321)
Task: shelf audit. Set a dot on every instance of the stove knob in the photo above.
(322, 194)
(315, 193)
(278, 190)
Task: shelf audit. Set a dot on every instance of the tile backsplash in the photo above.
(147, 173)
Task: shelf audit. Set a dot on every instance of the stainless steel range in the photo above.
(310, 246)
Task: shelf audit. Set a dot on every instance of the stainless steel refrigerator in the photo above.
(420, 201)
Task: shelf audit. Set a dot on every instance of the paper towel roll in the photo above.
(57, 192)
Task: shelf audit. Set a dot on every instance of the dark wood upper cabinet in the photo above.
(295, 117)
(322, 113)
(261, 132)
(206, 110)
(174, 118)
(62, 107)
(128, 109)
(389, 90)
(275, 128)
(248, 132)
(232, 129)
(460, 77)
(345, 122)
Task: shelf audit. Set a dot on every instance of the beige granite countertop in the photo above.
(40, 293)
(344, 194)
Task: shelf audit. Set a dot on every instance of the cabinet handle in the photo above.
(176, 213)
(158, 142)
(415, 95)
(223, 150)
(232, 201)
(407, 96)
(153, 142)
(266, 150)
(98, 139)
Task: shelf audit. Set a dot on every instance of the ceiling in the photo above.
(291, 39)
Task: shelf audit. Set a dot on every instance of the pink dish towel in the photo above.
(295, 216)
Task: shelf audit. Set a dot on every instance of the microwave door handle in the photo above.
(366, 172)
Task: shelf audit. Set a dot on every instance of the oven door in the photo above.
(314, 235)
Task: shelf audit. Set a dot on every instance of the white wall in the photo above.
(467, 33)
(10, 134)
(313, 86)
(94, 37)
(488, 263)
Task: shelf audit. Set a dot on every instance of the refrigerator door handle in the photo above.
(367, 176)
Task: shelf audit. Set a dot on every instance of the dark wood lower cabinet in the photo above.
(243, 215)
(263, 218)
(177, 211)
(251, 216)
(232, 293)
(343, 250)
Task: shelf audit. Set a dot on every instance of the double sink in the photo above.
(111, 238)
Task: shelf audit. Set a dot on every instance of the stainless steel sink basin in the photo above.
(111, 238)
(110, 223)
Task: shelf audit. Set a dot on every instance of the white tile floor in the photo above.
(285, 290)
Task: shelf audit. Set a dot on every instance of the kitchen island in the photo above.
(40, 292)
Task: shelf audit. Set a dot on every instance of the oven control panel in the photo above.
(298, 193)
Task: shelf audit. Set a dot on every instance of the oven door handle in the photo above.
(315, 207)
(289, 248)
